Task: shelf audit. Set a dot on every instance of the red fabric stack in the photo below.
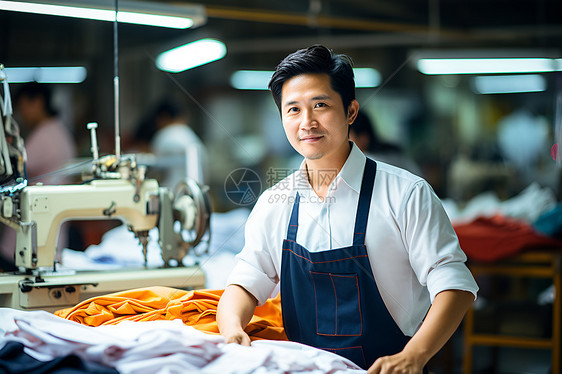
(498, 237)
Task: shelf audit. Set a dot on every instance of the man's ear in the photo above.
(352, 111)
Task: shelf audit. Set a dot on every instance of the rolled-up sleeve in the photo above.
(451, 276)
(252, 280)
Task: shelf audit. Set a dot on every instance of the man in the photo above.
(360, 249)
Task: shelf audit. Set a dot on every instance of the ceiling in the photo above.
(359, 23)
(254, 28)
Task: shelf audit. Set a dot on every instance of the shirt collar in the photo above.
(351, 172)
(301, 177)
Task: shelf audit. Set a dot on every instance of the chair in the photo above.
(528, 264)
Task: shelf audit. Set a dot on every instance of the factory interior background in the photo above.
(466, 143)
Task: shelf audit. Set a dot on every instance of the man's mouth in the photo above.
(311, 138)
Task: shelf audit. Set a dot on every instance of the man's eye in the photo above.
(320, 105)
(293, 110)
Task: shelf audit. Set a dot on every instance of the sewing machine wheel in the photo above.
(192, 210)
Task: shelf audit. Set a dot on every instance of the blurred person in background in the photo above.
(363, 133)
(48, 142)
(181, 153)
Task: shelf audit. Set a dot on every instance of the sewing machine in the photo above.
(115, 187)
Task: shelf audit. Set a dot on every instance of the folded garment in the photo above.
(160, 347)
(195, 308)
(498, 237)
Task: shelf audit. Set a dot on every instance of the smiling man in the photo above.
(367, 260)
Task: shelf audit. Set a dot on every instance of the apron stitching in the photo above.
(322, 262)
(336, 308)
(315, 301)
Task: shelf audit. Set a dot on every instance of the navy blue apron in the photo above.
(330, 300)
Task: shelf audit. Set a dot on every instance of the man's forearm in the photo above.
(443, 318)
(234, 312)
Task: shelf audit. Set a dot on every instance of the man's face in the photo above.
(314, 118)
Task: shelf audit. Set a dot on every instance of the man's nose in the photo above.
(308, 120)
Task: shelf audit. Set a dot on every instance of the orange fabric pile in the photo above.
(195, 308)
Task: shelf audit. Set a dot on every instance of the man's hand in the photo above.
(234, 312)
(440, 323)
(236, 336)
(402, 363)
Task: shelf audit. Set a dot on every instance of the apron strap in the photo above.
(364, 202)
(294, 221)
(362, 209)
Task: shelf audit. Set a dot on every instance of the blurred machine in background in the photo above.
(115, 187)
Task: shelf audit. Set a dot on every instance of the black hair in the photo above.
(167, 107)
(316, 59)
(34, 90)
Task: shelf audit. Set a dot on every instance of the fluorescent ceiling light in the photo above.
(250, 79)
(498, 84)
(434, 66)
(59, 74)
(191, 55)
(137, 12)
(259, 79)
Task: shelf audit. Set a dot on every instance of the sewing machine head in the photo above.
(115, 187)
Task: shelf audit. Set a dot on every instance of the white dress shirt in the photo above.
(412, 247)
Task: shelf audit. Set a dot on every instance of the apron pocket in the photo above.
(338, 307)
(354, 354)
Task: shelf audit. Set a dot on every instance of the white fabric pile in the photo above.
(528, 205)
(161, 347)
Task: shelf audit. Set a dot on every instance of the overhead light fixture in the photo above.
(58, 74)
(136, 12)
(443, 66)
(191, 55)
(501, 84)
(251, 79)
(259, 79)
